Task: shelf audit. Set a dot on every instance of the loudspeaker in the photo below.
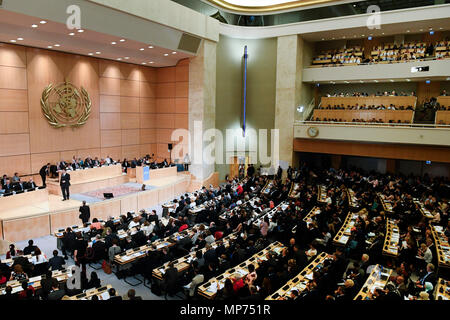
(170, 146)
(108, 195)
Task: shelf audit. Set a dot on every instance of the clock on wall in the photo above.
(313, 132)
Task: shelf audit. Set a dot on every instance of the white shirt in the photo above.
(39, 259)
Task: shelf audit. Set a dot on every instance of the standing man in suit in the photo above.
(85, 212)
(45, 170)
(64, 182)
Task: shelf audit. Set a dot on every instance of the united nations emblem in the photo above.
(65, 105)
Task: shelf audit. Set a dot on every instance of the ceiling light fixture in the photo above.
(151, 62)
(90, 53)
(34, 25)
(126, 58)
(80, 30)
(57, 45)
(166, 54)
(122, 40)
(119, 58)
(142, 49)
(144, 62)
(42, 22)
(13, 40)
(113, 42)
(20, 39)
(408, 80)
(150, 47)
(72, 34)
(98, 52)
(174, 52)
(49, 47)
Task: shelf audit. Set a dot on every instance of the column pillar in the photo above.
(288, 92)
(202, 106)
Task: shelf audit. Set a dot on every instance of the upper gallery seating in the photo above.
(374, 109)
(384, 53)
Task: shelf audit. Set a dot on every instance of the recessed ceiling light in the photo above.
(407, 30)
(151, 62)
(441, 28)
(166, 54)
(333, 38)
(72, 34)
(392, 80)
(49, 47)
(347, 82)
(142, 49)
(361, 81)
(343, 37)
(355, 35)
(382, 33)
(408, 80)
(174, 52)
(80, 30)
(57, 45)
(119, 58)
(375, 80)
(90, 53)
(362, 35)
(126, 58)
(20, 39)
(113, 42)
(13, 40)
(34, 25)
(150, 47)
(97, 52)
(421, 30)
(323, 39)
(144, 62)
(122, 40)
(42, 22)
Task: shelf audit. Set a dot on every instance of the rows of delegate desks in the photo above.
(442, 290)
(132, 255)
(322, 194)
(257, 222)
(442, 246)
(378, 278)
(352, 200)
(391, 245)
(251, 202)
(294, 191)
(387, 204)
(182, 264)
(300, 282)
(343, 235)
(208, 290)
(102, 294)
(60, 275)
(423, 210)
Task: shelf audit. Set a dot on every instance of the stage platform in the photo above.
(36, 219)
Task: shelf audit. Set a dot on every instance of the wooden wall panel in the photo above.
(20, 164)
(12, 56)
(13, 100)
(109, 121)
(130, 137)
(109, 103)
(129, 120)
(129, 104)
(165, 105)
(387, 150)
(124, 107)
(13, 78)
(111, 138)
(14, 144)
(13, 122)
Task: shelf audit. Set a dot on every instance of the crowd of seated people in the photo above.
(388, 52)
(392, 93)
(16, 184)
(373, 120)
(365, 107)
(345, 269)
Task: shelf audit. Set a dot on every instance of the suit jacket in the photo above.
(85, 213)
(65, 180)
(56, 295)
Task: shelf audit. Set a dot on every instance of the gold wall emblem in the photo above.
(65, 105)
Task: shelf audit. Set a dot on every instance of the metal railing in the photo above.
(374, 124)
(332, 65)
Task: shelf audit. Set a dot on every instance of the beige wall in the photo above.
(134, 108)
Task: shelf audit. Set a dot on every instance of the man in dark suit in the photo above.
(56, 293)
(85, 213)
(112, 295)
(8, 187)
(64, 182)
(44, 172)
(170, 279)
